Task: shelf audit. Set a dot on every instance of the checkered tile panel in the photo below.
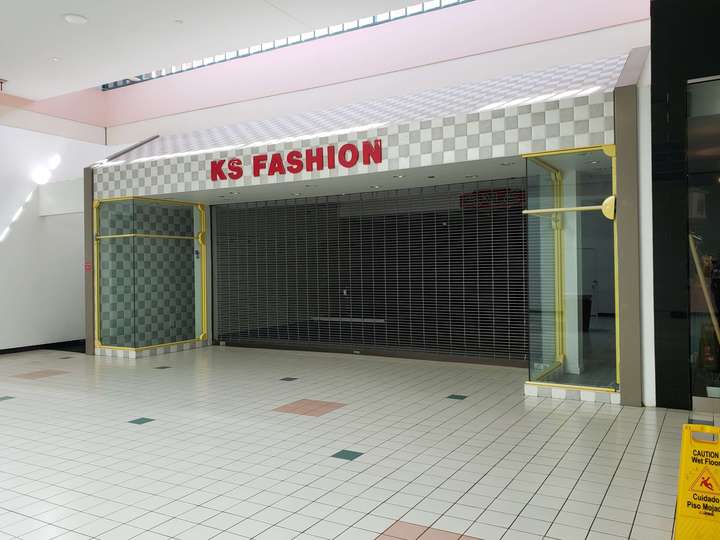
(117, 310)
(131, 355)
(569, 123)
(164, 291)
(147, 285)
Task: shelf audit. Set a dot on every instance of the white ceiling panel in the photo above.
(129, 37)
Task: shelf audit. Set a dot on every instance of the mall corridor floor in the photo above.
(229, 443)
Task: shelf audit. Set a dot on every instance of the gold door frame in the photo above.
(608, 210)
(201, 239)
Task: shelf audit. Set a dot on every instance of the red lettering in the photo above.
(276, 165)
(331, 157)
(344, 159)
(294, 160)
(312, 160)
(259, 163)
(235, 167)
(372, 151)
(216, 170)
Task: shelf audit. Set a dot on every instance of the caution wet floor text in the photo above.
(697, 516)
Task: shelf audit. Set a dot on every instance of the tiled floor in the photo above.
(79, 459)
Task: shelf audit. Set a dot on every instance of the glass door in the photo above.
(571, 268)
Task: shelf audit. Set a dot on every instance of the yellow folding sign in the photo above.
(698, 499)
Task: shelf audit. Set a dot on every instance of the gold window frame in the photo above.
(607, 209)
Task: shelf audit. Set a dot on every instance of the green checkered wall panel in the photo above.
(147, 285)
(117, 327)
(164, 291)
(146, 217)
(171, 220)
(115, 218)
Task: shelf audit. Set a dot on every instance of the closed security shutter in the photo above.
(425, 272)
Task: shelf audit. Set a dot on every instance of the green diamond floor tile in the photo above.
(141, 420)
(3, 398)
(456, 396)
(347, 454)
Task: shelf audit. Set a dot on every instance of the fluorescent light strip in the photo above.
(349, 26)
(557, 96)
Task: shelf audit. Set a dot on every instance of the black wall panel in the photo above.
(684, 46)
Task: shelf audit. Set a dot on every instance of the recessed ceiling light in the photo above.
(375, 187)
(398, 176)
(472, 176)
(55, 59)
(75, 18)
(296, 194)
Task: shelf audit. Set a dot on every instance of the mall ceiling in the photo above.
(42, 55)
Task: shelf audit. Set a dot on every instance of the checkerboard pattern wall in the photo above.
(553, 125)
(164, 291)
(117, 305)
(155, 351)
(153, 218)
(116, 218)
(573, 394)
(147, 285)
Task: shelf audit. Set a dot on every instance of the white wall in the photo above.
(646, 237)
(64, 197)
(41, 279)
(43, 123)
(41, 257)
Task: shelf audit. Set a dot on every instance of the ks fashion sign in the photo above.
(346, 156)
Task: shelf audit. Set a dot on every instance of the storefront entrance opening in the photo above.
(436, 272)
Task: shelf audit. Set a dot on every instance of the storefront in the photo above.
(491, 223)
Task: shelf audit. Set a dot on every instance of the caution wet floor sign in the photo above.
(698, 499)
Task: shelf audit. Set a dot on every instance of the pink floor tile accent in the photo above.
(402, 530)
(310, 407)
(405, 530)
(41, 374)
(436, 534)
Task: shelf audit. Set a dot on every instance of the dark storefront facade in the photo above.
(686, 195)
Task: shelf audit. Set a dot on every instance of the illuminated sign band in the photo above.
(345, 156)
